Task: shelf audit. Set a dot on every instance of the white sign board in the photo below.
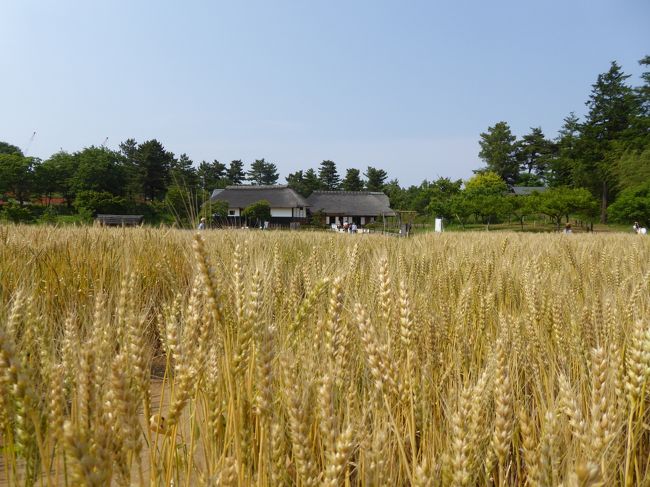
(438, 227)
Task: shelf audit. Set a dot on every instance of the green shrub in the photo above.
(632, 205)
(16, 213)
(48, 217)
(100, 202)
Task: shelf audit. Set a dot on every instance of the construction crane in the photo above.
(29, 143)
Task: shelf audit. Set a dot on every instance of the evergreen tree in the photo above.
(533, 153)
(565, 153)
(396, 194)
(311, 181)
(612, 109)
(134, 173)
(644, 90)
(154, 164)
(328, 176)
(183, 173)
(212, 175)
(235, 173)
(499, 152)
(352, 180)
(375, 179)
(263, 173)
(296, 181)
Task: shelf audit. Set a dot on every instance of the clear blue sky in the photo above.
(406, 86)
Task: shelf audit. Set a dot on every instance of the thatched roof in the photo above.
(243, 196)
(526, 190)
(350, 203)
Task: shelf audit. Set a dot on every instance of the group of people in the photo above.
(347, 227)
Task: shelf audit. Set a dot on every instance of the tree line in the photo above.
(604, 157)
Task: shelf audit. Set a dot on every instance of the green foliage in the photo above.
(483, 196)
(534, 153)
(7, 148)
(486, 183)
(258, 212)
(499, 152)
(529, 179)
(212, 175)
(318, 219)
(100, 202)
(99, 170)
(17, 175)
(632, 168)
(48, 217)
(215, 209)
(566, 153)
(134, 172)
(183, 204)
(375, 178)
(296, 181)
(304, 183)
(352, 180)
(153, 165)
(522, 206)
(183, 173)
(235, 173)
(56, 175)
(633, 204)
(328, 176)
(17, 213)
(562, 202)
(311, 181)
(612, 109)
(439, 194)
(263, 173)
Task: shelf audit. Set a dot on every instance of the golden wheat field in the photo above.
(163, 357)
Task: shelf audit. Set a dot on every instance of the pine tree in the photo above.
(183, 173)
(375, 179)
(644, 90)
(352, 181)
(235, 173)
(296, 181)
(499, 152)
(212, 175)
(262, 173)
(565, 152)
(311, 181)
(612, 110)
(533, 153)
(154, 164)
(134, 173)
(328, 176)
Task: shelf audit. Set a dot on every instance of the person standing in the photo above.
(202, 224)
(636, 227)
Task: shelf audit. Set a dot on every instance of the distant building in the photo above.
(287, 206)
(360, 207)
(119, 220)
(526, 190)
